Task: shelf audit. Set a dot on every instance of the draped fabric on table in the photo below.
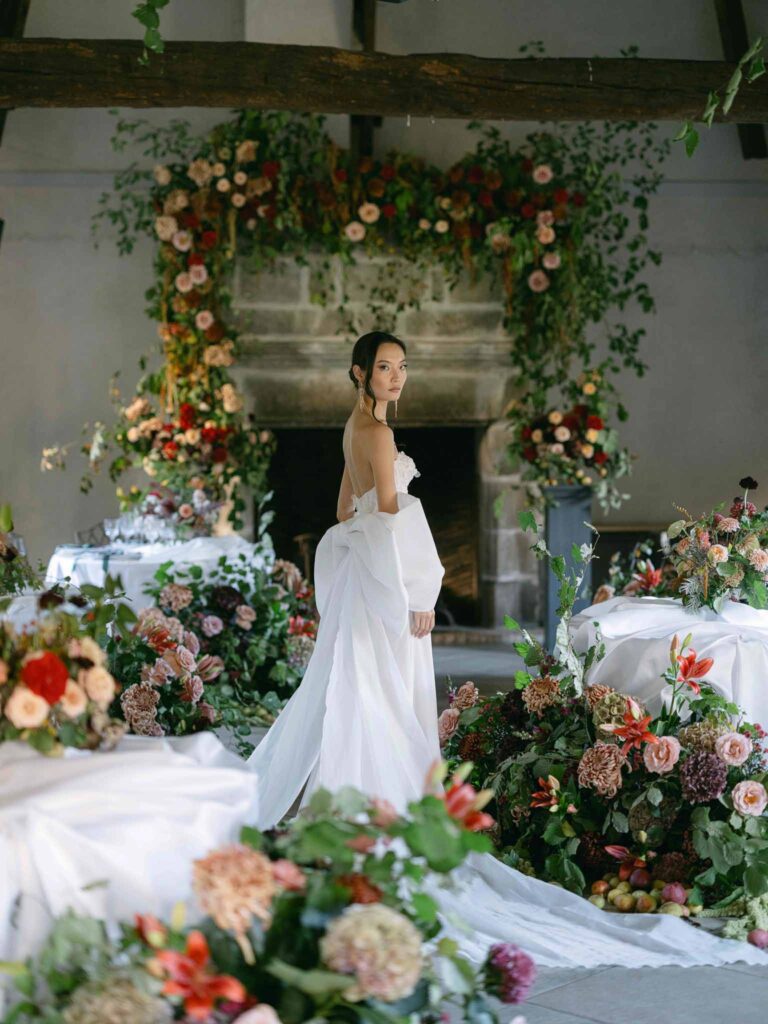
(637, 632)
(111, 834)
(365, 714)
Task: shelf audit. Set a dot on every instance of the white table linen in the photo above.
(638, 631)
(91, 565)
(134, 819)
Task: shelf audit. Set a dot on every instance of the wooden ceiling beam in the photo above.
(106, 73)
(733, 32)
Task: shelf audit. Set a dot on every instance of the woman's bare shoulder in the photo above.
(373, 437)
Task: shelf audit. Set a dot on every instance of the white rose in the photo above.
(441, 226)
(162, 174)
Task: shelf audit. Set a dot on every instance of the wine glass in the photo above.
(111, 529)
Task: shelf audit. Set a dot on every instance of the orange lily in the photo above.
(151, 930)
(465, 804)
(649, 578)
(689, 669)
(190, 978)
(635, 730)
(548, 795)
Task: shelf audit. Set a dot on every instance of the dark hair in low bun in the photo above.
(364, 356)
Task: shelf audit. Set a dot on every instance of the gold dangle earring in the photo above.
(395, 408)
(361, 393)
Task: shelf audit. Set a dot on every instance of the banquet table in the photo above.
(637, 633)
(136, 564)
(114, 833)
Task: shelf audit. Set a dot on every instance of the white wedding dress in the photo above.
(365, 715)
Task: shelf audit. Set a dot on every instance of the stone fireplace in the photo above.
(450, 419)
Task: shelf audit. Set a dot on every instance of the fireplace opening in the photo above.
(305, 476)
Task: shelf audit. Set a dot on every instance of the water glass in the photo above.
(111, 529)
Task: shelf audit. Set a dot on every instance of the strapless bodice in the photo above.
(405, 471)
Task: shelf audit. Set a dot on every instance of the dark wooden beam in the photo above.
(106, 73)
(733, 32)
(13, 18)
(362, 126)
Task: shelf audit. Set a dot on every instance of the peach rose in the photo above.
(74, 700)
(749, 797)
(447, 724)
(759, 559)
(198, 274)
(238, 200)
(368, 213)
(662, 757)
(542, 174)
(441, 226)
(717, 553)
(355, 231)
(182, 240)
(424, 224)
(183, 282)
(545, 218)
(98, 684)
(3, 672)
(261, 1014)
(246, 151)
(288, 875)
(545, 234)
(733, 748)
(538, 281)
(200, 171)
(551, 260)
(166, 228)
(240, 177)
(25, 709)
(161, 174)
(204, 320)
(562, 433)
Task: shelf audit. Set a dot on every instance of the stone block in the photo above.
(400, 280)
(507, 551)
(515, 597)
(436, 323)
(301, 322)
(283, 284)
(322, 279)
(483, 290)
(501, 499)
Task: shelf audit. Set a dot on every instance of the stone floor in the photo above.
(612, 995)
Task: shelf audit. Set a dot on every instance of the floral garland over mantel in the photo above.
(554, 221)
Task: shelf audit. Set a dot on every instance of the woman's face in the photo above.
(389, 372)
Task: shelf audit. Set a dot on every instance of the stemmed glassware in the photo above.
(111, 528)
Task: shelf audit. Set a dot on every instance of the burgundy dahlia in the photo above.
(703, 777)
(226, 598)
(512, 710)
(509, 972)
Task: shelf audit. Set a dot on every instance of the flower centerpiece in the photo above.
(330, 917)
(721, 558)
(593, 792)
(645, 572)
(55, 687)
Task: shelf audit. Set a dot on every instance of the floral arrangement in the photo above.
(594, 793)
(574, 446)
(721, 558)
(16, 574)
(55, 687)
(192, 513)
(329, 918)
(224, 650)
(637, 575)
(547, 221)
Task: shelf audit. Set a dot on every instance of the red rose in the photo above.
(387, 172)
(215, 332)
(528, 211)
(525, 433)
(527, 165)
(571, 421)
(388, 210)
(485, 198)
(475, 174)
(208, 239)
(578, 199)
(581, 410)
(600, 458)
(340, 174)
(529, 454)
(189, 220)
(170, 449)
(195, 260)
(595, 423)
(186, 416)
(219, 454)
(209, 434)
(46, 675)
(271, 212)
(560, 195)
(270, 168)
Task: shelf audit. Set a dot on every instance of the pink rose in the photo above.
(25, 709)
(244, 616)
(186, 511)
(261, 1014)
(3, 672)
(158, 674)
(183, 282)
(212, 625)
(759, 559)
(384, 813)
(749, 797)
(198, 273)
(206, 711)
(209, 667)
(191, 642)
(538, 281)
(74, 701)
(288, 875)
(204, 320)
(447, 724)
(182, 240)
(545, 218)
(355, 231)
(543, 174)
(662, 757)
(733, 748)
(551, 260)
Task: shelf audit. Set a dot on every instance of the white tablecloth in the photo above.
(637, 632)
(91, 565)
(135, 818)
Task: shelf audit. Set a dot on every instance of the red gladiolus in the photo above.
(170, 449)
(635, 730)
(387, 172)
(46, 675)
(208, 239)
(209, 434)
(219, 454)
(190, 978)
(270, 168)
(560, 195)
(528, 210)
(388, 210)
(595, 423)
(689, 669)
(186, 415)
(600, 458)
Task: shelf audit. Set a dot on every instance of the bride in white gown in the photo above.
(365, 713)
